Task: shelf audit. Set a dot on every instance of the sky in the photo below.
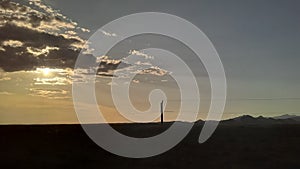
(258, 43)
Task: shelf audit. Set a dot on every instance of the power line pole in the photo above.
(162, 112)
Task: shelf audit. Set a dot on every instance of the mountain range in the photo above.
(250, 120)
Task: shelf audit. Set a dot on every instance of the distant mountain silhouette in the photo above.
(287, 116)
(249, 120)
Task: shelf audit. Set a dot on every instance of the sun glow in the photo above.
(49, 71)
(46, 71)
(53, 76)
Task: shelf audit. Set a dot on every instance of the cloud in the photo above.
(154, 70)
(5, 78)
(84, 29)
(122, 68)
(46, 8)
(49, 93)
(6, 93)
(12, 43)
(105, 59)
(107, 66)
(139, 53)
(53, 77)
(44, 51)
(108, 34)
(37, 35)
(54, 81)
(49, 21)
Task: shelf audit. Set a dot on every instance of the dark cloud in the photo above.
(19, 58)
(47, 40)
(33, 38)
(35, 35)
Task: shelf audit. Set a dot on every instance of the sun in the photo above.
(45, 71)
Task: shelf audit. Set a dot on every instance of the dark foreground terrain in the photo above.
(238, 146)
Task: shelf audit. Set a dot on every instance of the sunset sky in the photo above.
(257, 41)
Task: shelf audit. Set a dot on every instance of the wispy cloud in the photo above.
(108, 34)
(44, 51)
(139, 64)
(154, 70)
(5, 78)
(49, 93)
(12, 43)
(6, 93)
(139, 53)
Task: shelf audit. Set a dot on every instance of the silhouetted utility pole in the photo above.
(162, 112)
